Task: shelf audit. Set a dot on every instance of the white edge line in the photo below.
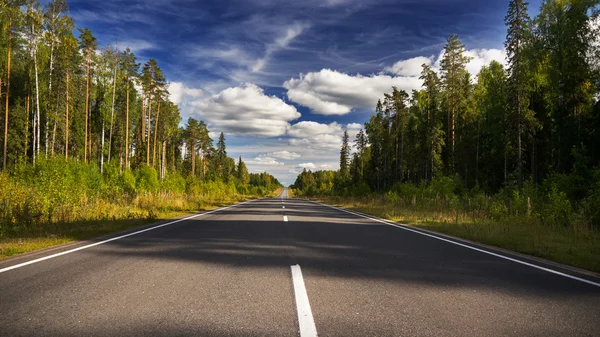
(306, 322)
(390, 223)
(113, 239)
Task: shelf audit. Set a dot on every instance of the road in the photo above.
(229, 273)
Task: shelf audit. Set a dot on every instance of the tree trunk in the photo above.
(102, 149)
(87, 100)
(67, 120)
(193, 159)
(143, 122)
(53, 138)
(112, 112)
(149, 130)
(7, 91)
(155, 134)
(49, 92)
(27, 106)
(127, 127)
(37, 99)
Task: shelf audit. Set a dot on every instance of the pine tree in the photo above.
(453, 69)
(242, 173)
(361, 147)
(345, 157)
(431, 83)
(87, 42)
(517, 36)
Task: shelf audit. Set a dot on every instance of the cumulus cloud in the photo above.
(264, 160)
(316, 135)
(284, 155)
(319, 136)
(309, 166)
(483, 57)
(246, 111)
(179, 91)
(479, 58)
(411, 67)
(329, 92)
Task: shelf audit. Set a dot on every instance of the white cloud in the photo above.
(322, 137)
(411, 67)
(179, 91)
(315, 135)
(329, 92)
(284, 155)
(483, 57)
(246, 111)
(309, 166)
(264, 160)
(136, 46)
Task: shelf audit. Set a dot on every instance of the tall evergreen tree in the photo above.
(345, 157)
(517, 36)
(453, 69)
(242, 172)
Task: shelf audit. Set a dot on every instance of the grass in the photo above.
(578, 247)
(113, 217)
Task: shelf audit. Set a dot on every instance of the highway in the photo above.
(289, 267)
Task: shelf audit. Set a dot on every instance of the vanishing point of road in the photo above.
(290, 267)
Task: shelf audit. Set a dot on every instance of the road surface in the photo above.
(285, 267)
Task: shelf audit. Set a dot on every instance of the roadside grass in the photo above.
(106, 217)
(572, 245)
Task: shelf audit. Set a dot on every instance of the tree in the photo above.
(131, 69)
(9, 9)
(55, 24)
(361, 148)
(87, 42)
(221, 157)
(517, 36)
(192, 131)
(242, 173)
(345, 158)
(434, 137)
(453, 69)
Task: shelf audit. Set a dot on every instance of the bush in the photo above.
(147, 179)
(558, 207)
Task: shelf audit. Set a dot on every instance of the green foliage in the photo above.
(147, 179)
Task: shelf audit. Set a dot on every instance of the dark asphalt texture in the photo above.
(228, 274)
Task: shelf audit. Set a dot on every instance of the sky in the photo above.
(284, 79)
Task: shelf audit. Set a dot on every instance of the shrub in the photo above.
(147, 179)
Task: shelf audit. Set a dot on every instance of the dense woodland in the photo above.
(65, 96)
(95, 122)
(531, 128)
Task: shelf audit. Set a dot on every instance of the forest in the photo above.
(90, 135)
(510, 157)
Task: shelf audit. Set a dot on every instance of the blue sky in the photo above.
(283, 79)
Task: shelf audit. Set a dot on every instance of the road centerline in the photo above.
(306, 322)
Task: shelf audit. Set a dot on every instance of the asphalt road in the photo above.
(228, 273)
